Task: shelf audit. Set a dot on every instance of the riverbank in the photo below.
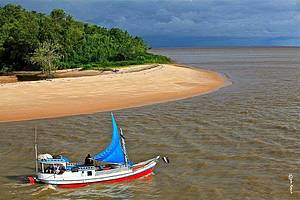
(128, 87)
(20, 76)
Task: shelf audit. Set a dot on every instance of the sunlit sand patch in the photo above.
(142, 85)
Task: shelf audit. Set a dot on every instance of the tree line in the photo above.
(28, 39)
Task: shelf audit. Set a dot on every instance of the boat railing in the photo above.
(147, 161)
(52, 161)
(73, 164)
(84, 168)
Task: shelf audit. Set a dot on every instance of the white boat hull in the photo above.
(82, 178)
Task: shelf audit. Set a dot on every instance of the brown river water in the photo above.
(240, 142)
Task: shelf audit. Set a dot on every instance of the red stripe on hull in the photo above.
(127, 178)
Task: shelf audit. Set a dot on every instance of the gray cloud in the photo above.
(194, 18)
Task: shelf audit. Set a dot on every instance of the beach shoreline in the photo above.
(132, 87)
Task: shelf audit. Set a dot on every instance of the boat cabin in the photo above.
(48, 164)
(59, 164)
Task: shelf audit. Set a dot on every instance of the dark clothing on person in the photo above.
(88, 160)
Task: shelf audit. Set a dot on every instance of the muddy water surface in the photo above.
(240, 142)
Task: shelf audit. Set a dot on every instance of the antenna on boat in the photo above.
(124, 147)
(35, 149)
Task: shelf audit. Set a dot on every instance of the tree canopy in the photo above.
(22, 32)
(46, 56)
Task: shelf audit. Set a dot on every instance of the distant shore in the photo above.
(129, 87)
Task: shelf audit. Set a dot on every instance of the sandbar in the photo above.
(132, 87)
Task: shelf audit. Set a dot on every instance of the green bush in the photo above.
(139, 60)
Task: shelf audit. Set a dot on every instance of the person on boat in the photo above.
(61, 169)
(56, 169)
(88, 160)
(50, 169)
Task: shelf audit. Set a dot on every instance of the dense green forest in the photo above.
(25, 34)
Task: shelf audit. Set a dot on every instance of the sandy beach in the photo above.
(132, 87)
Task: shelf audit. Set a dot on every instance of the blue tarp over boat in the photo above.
(113, 153)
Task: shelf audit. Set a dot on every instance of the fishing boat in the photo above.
(109, 165)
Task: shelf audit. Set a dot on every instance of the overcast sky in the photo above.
(189, 22)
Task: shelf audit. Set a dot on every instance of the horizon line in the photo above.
(225, 47)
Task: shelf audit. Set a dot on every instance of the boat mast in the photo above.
(124, 147)
(36, 150)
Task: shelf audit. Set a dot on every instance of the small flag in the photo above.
(166, 159)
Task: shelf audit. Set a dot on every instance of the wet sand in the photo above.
(138, 86)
